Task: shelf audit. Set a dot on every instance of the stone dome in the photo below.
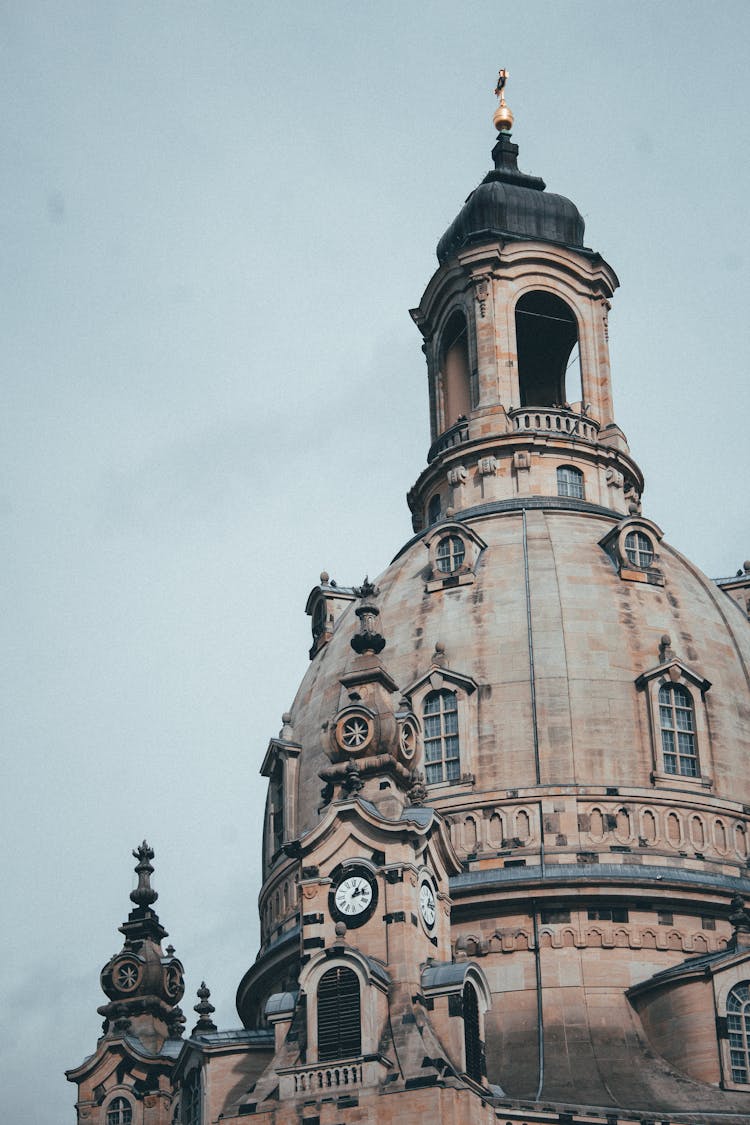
(509, 203)
(594, 636)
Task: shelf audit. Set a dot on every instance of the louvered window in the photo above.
(339, 1024)
(472, 1042)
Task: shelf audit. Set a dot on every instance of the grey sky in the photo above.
(214, 221)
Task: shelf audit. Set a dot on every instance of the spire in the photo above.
(143, 984)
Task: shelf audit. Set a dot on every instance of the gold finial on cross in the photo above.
(503, 118)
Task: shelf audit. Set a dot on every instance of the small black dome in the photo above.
(508, 203)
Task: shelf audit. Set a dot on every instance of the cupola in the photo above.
(516, 339)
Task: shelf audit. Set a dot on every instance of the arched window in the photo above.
(120, 1112)
(639, 549)
(738, 1027)
(570, 482)
(434, 509)
(472, 1041)
(450, 554)
(441, 749)
(546, 334)
(339, 1023)
(454, 369)
(191, 1099)
(677, 722)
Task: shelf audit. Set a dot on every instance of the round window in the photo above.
(354, 732)
(639, 549)
(407, 739)
(127, 974)
(450, 554)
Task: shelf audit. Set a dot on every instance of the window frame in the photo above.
(440, 726)
(563, 486)
(465, 689)
(673, 734)
(650, 683)
(348, 1004)
(120, 1105)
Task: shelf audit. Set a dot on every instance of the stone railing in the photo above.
(325, 1078)
(456, 435)
(554, 420)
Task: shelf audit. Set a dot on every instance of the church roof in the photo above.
(511, 204)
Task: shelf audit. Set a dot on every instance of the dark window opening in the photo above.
(472, 1041)
(554, 917)
(277, 805)
(609, 914)
(434, 509)
(191, 1099)
(454, 370)
(546, 335)
(319, 619)
(339, 1024)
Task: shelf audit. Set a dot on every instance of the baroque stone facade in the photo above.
(506, 841)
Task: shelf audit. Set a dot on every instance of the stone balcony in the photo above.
(554, 420)
(330, 1078)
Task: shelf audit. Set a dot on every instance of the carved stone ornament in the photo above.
(368, 639)
(457, 476)
(481, 293)
(487, 466)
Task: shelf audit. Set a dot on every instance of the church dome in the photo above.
(510, 204)
(560, 646)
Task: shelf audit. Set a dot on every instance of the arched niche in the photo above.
(455, 370)
(547, 343)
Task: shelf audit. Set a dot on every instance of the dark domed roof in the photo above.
(509, 203)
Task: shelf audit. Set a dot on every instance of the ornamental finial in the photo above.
(144, 894)
(503, 118)
(205, 1010)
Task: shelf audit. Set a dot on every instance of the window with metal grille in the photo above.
(441, 749)
(191, 1099)
(639, 549)
(738, 1027)
(120, 1112)
(570, 482)
(339, 1023)
(677, 722)
(450, 553)
(472, 1042)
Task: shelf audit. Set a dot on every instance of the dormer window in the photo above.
(450, 554)
(632, 547)
(570, 482)
(454, 552)
(639, 549)
(677, 722)
(441, 742)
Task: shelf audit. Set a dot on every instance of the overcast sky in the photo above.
(215, 218)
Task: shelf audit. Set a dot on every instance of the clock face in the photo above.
(427, 906)
(353, 897)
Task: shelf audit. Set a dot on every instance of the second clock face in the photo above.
(427, 905)
(354, 897)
